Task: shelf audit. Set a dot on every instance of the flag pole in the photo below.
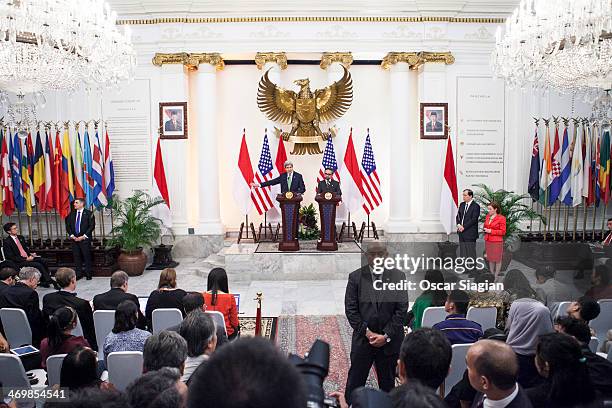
(575, 223)
(585, 215)
(48, 229)
(19, 219)
(593, 228)
(603, 217)
(101, 211)
(57, 227)
(30, 229)
(565, 221)
(39, 227)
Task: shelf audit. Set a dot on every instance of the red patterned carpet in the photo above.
(295, 334)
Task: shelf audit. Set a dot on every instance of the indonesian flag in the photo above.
(8, 203)
(449, 198)
(160, 189)
(350, 174)
(49, 169)
(243, 177)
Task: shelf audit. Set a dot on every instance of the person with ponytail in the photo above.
(60, 339)
(567, 384)
(218, 298)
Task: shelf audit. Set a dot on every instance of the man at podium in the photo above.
(289, 181)
(328, 185)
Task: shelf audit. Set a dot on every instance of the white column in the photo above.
(404, 109)
(209, 219)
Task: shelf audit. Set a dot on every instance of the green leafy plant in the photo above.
(308, 223)
(133, 226)
(512, 207)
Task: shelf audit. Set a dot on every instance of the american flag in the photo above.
(261, 196)
(328, 162)
(369, 178)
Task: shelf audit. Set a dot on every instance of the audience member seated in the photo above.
(517, 286)
(493, 370)
(60, 339)
(568, 383)
(549, 289)
(7, 279)
(194, 302)
(429, 298)
(527, 319)
(125, 336)
(600, 369)
(499, 299)
(247, 373)
(23, 295)
(158, 389)
(425, 356)
(117, 294)
(66, 296)
(165, 349)
(198, 330)
(16, 250)
(456, 327)
(4, 345)
(92, 397)
(415, 395)
(600, 280)
(80, 370)
(218, 298)
(167, 295)
(585, 309)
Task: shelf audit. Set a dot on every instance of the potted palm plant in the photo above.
(515, 210)
(134, 228)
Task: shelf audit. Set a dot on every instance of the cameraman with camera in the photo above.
(376, 317)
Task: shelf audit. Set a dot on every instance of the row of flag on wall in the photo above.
(571, 169)
(40, 171)
(361, 187)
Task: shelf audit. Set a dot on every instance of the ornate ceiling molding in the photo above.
(191, 60)
(170, 58)
(442, 57)
(328, 58)
(278, 57)
(416, 59)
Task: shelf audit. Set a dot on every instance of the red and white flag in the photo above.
(372, 197)
(350, 174)
(243, 177)
(449, 197)
(160, 189)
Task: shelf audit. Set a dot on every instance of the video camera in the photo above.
(314, 368)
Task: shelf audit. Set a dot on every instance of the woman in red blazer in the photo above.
(495, 229)
(218, 298)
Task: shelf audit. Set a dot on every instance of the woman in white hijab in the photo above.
(527, 320)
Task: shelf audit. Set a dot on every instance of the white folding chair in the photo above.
(561, 309)
(485, 316)
(16, 326)
(54, 368)
(218, 319)
(610, 354)
(602, 323)
(78, 330)
(433, 315)
(104, 320)
(124, 367)
(457, 367)
(13, 375)
(164, 318)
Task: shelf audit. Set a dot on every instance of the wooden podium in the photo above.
(327, 210)
(290, 209)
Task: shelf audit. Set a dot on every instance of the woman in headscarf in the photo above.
(527, 319)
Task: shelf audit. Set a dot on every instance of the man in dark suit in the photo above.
(16, 250)
(492, 371)
(376, 315)
(328, 185)
(67, 296)
(433, 125)
(173, 124)
(23, 296)
(117, 294)
(289, 181)
(7, 279)
(80, 224)
(467, 225)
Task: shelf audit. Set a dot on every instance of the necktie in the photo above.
(77, 226)
(289, 177)
(608, 239)
(467, 205)
(327, 183)
(22, 251)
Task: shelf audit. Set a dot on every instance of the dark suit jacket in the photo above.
(470, 222)
(334, 187)
(437, 127)
(382, 312)
(169, 126)
(111, 299)
(3, 288)
(88, 223)
(11, 252)
(297, 183)
(55, 300)
(23, 297)
(520, 401)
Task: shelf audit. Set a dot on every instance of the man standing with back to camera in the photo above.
(376, 317)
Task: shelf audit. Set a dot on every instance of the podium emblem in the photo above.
(289, 195)
(328, 196)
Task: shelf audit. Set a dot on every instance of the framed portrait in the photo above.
(434, 120)
(173, 120)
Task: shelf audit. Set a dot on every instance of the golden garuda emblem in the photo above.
(305, 109)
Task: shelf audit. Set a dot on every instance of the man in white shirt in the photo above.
(492, 371)
(550, 290)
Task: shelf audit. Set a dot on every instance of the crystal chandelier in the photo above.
(62, 45)
(560, 44)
